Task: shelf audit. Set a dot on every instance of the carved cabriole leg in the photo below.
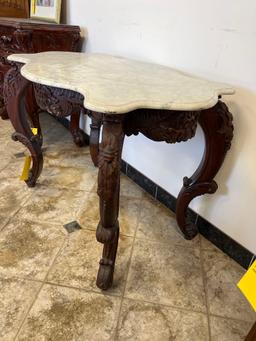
(33, 111)
(218, 131)
(108, 191)
(95, 135)
(15, 89)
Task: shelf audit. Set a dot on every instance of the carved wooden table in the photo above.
(127, 97)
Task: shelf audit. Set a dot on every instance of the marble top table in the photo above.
(125, 97)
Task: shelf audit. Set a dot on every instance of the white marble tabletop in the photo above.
(112, 84)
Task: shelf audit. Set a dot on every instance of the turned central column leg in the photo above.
(218, 131)
(109, 163)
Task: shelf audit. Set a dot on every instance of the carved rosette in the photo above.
(162, 125)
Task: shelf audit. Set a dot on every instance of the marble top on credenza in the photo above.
(117, 85)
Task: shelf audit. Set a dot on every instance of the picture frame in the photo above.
(48, 10)
(14, 8)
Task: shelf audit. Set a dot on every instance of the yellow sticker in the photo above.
(33, 6)
(248, 285)
(26, 168)
(34, 131)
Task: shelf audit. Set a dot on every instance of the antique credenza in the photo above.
(27, 36)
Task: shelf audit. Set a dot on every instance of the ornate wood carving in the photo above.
(218, 131)
(162, 125)
(108, 191)
(61, 103)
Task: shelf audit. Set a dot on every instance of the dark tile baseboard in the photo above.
(229, 246)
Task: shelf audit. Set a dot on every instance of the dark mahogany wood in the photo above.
(62, 103)
(252, 334)
(95, 135)
(15, 94)
(27, 36)
(109, 163)
(158, 125)
(218, 131)
(14, 8)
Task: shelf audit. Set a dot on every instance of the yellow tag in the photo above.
(33, 6)
(248, 285)
(34, 131)
(26, 168)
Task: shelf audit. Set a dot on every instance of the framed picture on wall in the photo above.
(14, 8)
(48, 10)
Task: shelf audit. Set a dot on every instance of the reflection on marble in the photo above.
(118, 85)
(53, 205)
(222, 275)
(78, 261)
(16, 297)
(143, 321)
(27, 249)
(63, 314)
(166, 274)
(228, 330)
(159, 224)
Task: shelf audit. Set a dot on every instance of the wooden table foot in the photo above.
(108, 190)
(218, 131)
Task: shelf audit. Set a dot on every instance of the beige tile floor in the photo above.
(165, 288)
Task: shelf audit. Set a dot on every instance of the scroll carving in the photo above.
(60, 102)
(218, 129)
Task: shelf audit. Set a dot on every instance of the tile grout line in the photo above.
(168, 306)
(55, 284)
(14, 214)
(205, 291)
(28, 311)
(37, 295)
(128, 269)
(118, 296)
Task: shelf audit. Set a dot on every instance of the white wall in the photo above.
(214, 39)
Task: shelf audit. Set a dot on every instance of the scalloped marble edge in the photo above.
(223, 89)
